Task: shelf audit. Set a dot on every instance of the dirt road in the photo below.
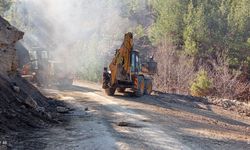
(149, 122)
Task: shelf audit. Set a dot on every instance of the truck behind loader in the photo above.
(45, 71)
(127, 71)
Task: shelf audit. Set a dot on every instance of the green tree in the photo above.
(201, 85)
(204, 28)
(239, 27)
(5, 6)
(169, 20)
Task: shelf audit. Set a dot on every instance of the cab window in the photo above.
(133, 62)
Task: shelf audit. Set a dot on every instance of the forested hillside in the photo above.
(202, 46)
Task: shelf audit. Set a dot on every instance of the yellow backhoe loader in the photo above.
(127, 71)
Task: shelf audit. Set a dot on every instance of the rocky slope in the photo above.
(22, 106)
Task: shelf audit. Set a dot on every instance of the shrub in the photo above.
(201, 84)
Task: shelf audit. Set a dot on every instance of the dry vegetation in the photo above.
(177, 74)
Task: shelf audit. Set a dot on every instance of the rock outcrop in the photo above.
(9, 35)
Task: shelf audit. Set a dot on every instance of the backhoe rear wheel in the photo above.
(148, 87)
(140, 86)
(110, 91)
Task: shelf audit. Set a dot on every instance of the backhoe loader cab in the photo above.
(135, 63)
(126, 71)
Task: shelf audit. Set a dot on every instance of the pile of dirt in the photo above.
(22, 106)
(241, 108)
(233, 105)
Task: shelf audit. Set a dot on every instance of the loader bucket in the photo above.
(149, 67)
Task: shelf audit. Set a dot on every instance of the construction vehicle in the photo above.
(60, 74)
(127, 71)
(43, 70)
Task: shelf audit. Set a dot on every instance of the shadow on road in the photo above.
(190, 104)
(182, 103)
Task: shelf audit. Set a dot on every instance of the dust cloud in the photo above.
(79, 33)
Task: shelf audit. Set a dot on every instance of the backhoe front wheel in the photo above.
(140, 86)
(110, 91)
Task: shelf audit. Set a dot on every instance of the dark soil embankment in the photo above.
(22, 106)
